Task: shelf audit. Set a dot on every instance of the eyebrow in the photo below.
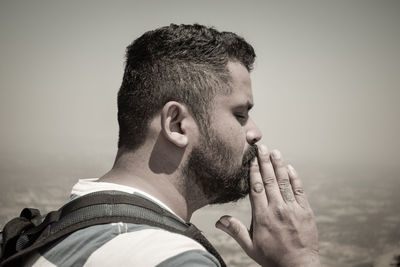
(246, 105)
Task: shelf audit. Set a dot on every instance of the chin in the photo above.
(240, 191)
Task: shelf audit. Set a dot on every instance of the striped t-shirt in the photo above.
(122, 244)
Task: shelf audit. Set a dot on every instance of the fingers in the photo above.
(237, 230)
(258, 198)
(282, 176)
(268, 176)
(297, 187)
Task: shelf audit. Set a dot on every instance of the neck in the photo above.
(150, 175)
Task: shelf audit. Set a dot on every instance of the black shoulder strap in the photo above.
(92, 209)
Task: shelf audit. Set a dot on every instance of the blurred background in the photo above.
(326, 89)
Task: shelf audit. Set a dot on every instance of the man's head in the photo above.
(184, 63)
(221, 162)
(207, 73)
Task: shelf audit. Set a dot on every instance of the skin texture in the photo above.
(283, 231)
(220, 163)
(211, 166)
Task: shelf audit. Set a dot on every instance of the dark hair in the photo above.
(183, 63)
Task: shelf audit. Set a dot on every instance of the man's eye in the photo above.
(241, 118)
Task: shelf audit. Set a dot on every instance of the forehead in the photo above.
(240, 85)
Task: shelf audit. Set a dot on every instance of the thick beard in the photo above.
(213, 169)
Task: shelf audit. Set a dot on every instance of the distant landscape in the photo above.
(357, 212)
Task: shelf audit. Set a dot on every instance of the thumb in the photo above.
(237, 230)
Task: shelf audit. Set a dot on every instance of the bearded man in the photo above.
(186, 140)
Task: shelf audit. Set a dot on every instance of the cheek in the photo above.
(237, 138)
(232, 134)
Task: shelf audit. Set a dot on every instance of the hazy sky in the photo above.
(326, 79)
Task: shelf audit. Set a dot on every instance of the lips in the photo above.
(250, 154)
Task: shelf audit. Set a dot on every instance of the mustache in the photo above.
(251, 152)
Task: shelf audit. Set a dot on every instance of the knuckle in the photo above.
(308, 214)
(279, 208)
(263, 222)
(287, 194)
(279, 211)
(298, 191)
(258, 187)
(269, 180)
(283, 183)
(234, 229)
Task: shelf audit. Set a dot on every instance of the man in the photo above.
(186, 140)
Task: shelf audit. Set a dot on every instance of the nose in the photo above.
(253, 134)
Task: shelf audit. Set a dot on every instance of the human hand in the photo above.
(283, 230)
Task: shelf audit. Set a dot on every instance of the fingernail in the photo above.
(262, 149)
(254, 161)
(276, 154)
(224, 222)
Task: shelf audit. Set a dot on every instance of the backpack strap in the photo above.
(97, 208)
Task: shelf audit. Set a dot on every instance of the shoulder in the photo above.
(128, 244)
(150, 246)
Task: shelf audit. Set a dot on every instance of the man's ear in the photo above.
(174, 117)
